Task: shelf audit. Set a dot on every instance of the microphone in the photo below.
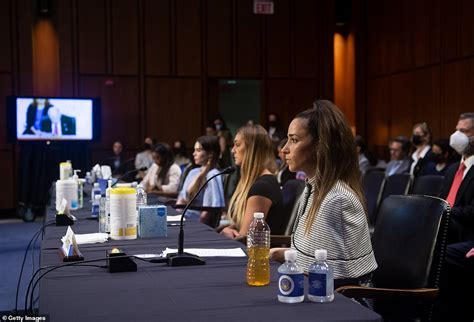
(127, 173)
(185, 259)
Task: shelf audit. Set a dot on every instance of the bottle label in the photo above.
(317, 284)
(291, 285)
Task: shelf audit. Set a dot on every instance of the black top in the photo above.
(267, 186)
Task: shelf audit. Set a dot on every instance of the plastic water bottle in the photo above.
(95, 191)
(88, 178)
(80, 193)
(290, 280)
(321, 280)
(141, 196)
(258, 251)
(96, 206)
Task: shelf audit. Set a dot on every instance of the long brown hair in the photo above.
(336, 153)
(257, 158)
(210, 144)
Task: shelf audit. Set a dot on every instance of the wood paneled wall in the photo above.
(153, 62)
(420, 67)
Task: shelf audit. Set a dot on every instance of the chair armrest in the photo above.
(280, 241)
(386, 293)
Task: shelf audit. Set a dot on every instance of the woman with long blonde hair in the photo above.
(258, 189)
(331, 214)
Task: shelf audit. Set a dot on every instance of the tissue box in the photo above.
(152, 221)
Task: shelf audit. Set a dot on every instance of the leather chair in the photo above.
(372, 183)
(427, 185)
(409, 244)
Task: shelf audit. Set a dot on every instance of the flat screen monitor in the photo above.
(53, 118)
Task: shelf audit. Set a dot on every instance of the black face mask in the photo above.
(438, 158)
(416, 139)
(146, 146)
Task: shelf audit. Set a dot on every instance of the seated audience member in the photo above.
(366, 159)
(275, 130)
(225, 157)
(210, 130)
(223, 130)
(421, 140)
(162, 179)
(206, 154)
(443, 157)
(399, 148)
(180, 151)
(458, 184)
(258, 189)
(331, 215)
(284, 174)
(116, 161)
(144, 159)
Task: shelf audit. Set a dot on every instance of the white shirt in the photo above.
(468, 163)
(151, 179)
(417, 155)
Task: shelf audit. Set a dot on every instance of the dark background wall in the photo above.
(419, 67)
(153, 63)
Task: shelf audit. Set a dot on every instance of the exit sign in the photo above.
(263, 7)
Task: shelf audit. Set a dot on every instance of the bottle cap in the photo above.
(97, 197)
(109, 183)
(321, 254)
(290, 255)
(258, 215)
(96, 184)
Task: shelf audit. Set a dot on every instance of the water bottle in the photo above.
(141, 196)
(95, 191)
(96, 206)
(258, 251)
(107, 206)
(103, 216)
(80, 193)
(321, 280)
(290, 280)
(88, 178)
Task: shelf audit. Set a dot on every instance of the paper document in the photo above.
(174, 218)
(94, 238)
(210, 252)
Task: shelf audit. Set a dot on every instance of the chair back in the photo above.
(409, 241)
(372, 184)
(291, 193)
(427, 185)
(397, 184)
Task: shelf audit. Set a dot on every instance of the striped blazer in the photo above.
(340, 227)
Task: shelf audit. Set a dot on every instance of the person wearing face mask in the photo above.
(443, 157)
(421, 140)
(144, 158)
(458, 186)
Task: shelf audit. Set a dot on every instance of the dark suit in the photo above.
(420, 166)
(31, 117)
(68, 125)
(462, 212)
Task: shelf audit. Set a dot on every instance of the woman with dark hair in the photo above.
(162, 178)
(37, 111)
(206, 154)
(442, 157)
(258, 189)
(331, 214)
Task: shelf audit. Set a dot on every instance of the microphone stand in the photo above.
(185, 259)
(127, 173)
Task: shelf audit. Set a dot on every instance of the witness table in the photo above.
(216, 291)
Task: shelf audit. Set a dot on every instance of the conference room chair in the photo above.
(427, 185)
(372, 183)
(409, 244)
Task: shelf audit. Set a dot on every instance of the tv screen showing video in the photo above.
(47, 118)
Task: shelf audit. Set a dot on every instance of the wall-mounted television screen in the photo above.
(53, 118)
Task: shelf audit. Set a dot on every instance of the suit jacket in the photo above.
(462, 212)
(421, 164)
(31, 117)
(403, 168)
(68, 125)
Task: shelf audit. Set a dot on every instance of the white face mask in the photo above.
(459, 142)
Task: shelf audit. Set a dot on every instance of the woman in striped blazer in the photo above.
(331, 213)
